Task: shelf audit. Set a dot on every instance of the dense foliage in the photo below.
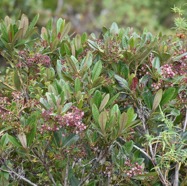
(87, 110)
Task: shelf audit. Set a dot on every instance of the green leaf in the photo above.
(74, 181)
(86, 62)
(114, 28)
(111, 101)
(17, 82)
(59, 24)
(59, 68)
(73, 64)
(131, 42)
(33, 22)
(128, 146)
(45, 104)
(77, 41)
(77, 85)
(148, 98)
(65, 30)
(44, 33)
(180, 56)
(95, 113)
(157, 99)
(4, 140)
(114, 110)
(167, 95)
(156, 64)
(84, 38)
(96, 70)
(131, 115)
(104, 102)
(32, 133)
(66, 107)
(97, 98)
(69, 140)
(14, 141)
(122, 82)
(18, 35)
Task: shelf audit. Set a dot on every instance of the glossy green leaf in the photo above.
(148, 98)
(122, 82)
(14, 141)
(167, 95)
(156, 64)
(66, 107)
(95, 113)
(59, 24)
(97, 98)
(96, 70)
(128, 146)
(4, 140)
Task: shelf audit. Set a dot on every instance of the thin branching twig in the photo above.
(10, 171)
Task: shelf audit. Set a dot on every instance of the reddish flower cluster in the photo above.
(167, 71)
(113, 52)
(157, 86)
(32, 61)
(143, 70)
(180, 68)
(161, 84)
(133, 169)
(71, 119)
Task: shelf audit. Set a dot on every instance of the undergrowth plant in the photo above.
(87, 110)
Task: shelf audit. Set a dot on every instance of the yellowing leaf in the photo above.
(157, 99)
(24, 23)
(23, 139)
(104, 102)
(122, 121)
(102, 121)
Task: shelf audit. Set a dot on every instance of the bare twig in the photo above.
(141, 150)
(43, 160)
(185, 122)
(66, 176)
(176, 178)
(100, 157)
(10, 171)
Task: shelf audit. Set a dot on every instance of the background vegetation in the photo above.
(92, 15)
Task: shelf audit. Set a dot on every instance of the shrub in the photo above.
(83, 110)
